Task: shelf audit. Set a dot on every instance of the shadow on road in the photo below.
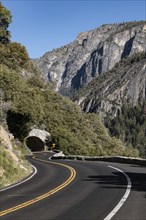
(117, 180)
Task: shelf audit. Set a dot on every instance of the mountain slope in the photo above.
(91, 54)
(107, 93)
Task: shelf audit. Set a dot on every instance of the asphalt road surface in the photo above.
(77, 190)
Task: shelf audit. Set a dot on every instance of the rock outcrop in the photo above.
(13, 166)
(91, 54)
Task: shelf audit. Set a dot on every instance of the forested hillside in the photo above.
(130, 126)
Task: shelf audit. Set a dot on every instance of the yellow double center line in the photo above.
(39, 198)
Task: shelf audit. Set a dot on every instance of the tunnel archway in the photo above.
(37, 140)
(34, 143)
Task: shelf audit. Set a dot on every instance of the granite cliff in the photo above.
(92, 53)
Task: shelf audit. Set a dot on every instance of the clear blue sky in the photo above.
(42, 25)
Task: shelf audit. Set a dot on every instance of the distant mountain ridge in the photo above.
(92, 53)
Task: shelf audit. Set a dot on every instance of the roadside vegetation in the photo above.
(10, 170)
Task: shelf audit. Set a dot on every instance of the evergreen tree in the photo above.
(5, 20)
(130, 126)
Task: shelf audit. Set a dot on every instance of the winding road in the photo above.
(77, 190)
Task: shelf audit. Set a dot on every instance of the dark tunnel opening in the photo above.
(34, 143)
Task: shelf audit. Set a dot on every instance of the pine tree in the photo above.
(5, 20)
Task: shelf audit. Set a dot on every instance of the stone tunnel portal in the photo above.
(35, 143)
(37, 140)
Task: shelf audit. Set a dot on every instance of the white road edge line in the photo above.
(124, 198)
(9, 187)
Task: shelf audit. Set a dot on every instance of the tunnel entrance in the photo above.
(38, 140)
(34, 143)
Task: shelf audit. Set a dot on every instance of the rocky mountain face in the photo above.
(91, 54)
(125, 82)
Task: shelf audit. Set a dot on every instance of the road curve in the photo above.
(81, 190)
